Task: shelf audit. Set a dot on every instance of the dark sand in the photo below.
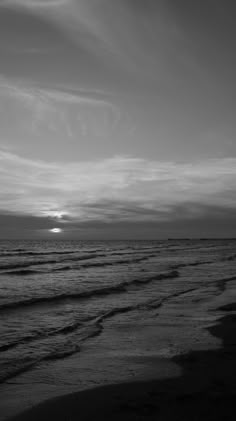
(205, 391)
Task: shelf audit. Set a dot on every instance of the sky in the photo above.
(117, 119)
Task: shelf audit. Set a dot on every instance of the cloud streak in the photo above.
(24, 90)
(35, 3)
(115, 30)
(43, 111)
(119, 189)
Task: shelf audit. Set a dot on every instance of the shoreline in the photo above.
(206, 390)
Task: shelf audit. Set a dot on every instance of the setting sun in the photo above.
(56, 230)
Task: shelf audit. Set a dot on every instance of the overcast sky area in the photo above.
(117, 118)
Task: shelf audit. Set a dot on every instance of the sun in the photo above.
(56, 230)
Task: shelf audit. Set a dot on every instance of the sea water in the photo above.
(78, 314)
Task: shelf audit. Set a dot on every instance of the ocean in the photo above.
(76, 314)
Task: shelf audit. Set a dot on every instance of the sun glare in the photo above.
(56, 230)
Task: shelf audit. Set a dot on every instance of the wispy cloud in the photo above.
(116, 28)
(68, 13)
(118, 189)
(63, 111)
(35, 3)
(22, 89)
(143, 42)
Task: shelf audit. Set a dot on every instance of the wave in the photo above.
(22, 252)
(221, 283)
(119, 288)
(47, 352)
(19, 271)
(229, 258)
(198, 263)
(93, 328)
(175, 248)
(148, 305)
(206, 262)
(118, 262)
(35, 253)
(17, 250)
(119, 252)
(46, 262)
(32, 337)
(24, 272)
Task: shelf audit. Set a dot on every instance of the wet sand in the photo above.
(206, 390)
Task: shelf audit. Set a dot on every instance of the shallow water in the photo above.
(79, 314)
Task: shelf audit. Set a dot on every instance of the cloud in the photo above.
(131, 35)
(24, 90)
(62, 111)
(119, 189)
(67, 13)
(136, 44)
(34, 3)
